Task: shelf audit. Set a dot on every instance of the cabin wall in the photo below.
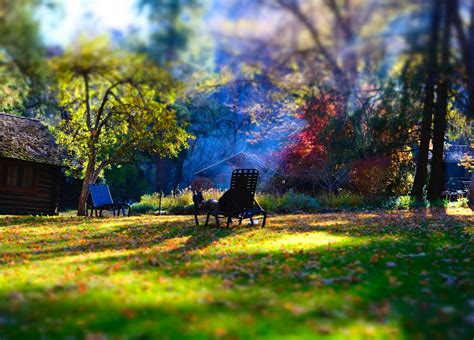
(38, 199)
(452, 169)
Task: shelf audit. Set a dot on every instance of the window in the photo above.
(18, 176)
(28, 180)
(12, 176)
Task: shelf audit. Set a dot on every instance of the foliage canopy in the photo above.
(116, 101)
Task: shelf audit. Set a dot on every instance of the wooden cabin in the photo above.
(30, 167)
(220, 173)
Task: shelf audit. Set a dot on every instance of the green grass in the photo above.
(386, 274)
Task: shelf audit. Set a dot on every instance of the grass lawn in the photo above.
(384, 274)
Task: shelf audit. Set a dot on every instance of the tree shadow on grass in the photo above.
(318, 291)
(376, 224)
(128, 236)
(418, 281)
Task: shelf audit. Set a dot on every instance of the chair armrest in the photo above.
(258, 205)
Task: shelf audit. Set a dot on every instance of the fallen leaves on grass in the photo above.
(339, 274)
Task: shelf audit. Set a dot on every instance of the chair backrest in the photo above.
(100, 195)
(244, 186)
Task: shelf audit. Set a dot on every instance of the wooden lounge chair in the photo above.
(240, 202)
(100, 200)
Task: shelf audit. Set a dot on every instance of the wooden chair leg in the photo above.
(229, 221)
(264, 219)
(251, 220)
(217, 221)
(196, 219)
(240, 220)
(96, 213)
(129, 211)
(100, 213)
(207, 218)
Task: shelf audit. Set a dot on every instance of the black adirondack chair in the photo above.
(240, 202)
(100, 200)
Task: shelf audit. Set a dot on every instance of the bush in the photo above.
(179, 202)
(143, 208)
(404, 202)
(370, 177)
(127, 182)
(343, 199)
(292, 201)
(288, 202)
(402, 173)
(407, 202)
(462, 202)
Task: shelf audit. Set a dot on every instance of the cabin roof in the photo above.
(242, 156)
(456, 152)
(29, 140)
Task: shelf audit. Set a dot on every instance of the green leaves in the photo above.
(116, 103)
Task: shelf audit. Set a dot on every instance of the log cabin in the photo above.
(220, 173)
(30, 167)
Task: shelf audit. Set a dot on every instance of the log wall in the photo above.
(42, 199)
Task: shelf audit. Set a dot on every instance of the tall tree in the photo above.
(466, 42)
(169, 38)
(22, 67)
(117, 103)
(435, 185)
(170, 30)
(428, 103)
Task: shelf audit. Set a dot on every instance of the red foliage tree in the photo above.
(371, 176)
(308, 151)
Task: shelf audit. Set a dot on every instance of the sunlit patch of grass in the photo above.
(386, 274)
(459, 211)
(303, 241)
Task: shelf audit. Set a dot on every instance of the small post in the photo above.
(159, 203)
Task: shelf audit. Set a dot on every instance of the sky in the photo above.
(72, 17)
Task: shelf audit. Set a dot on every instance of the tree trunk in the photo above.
(428, 104)
(162, 170)
(466, 42)
(436, 183)
(179, 168)
(471, 192)
(470, 65)
(88, 179)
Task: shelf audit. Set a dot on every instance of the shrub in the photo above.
(181, 202)
(402, 173)
(462, 202)
(288, 202)
(177, 202)
(293, 201)
(370, 177)
(127, 182)
(407, 202)
(404, 202)
(143, 208)
(343, 199)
